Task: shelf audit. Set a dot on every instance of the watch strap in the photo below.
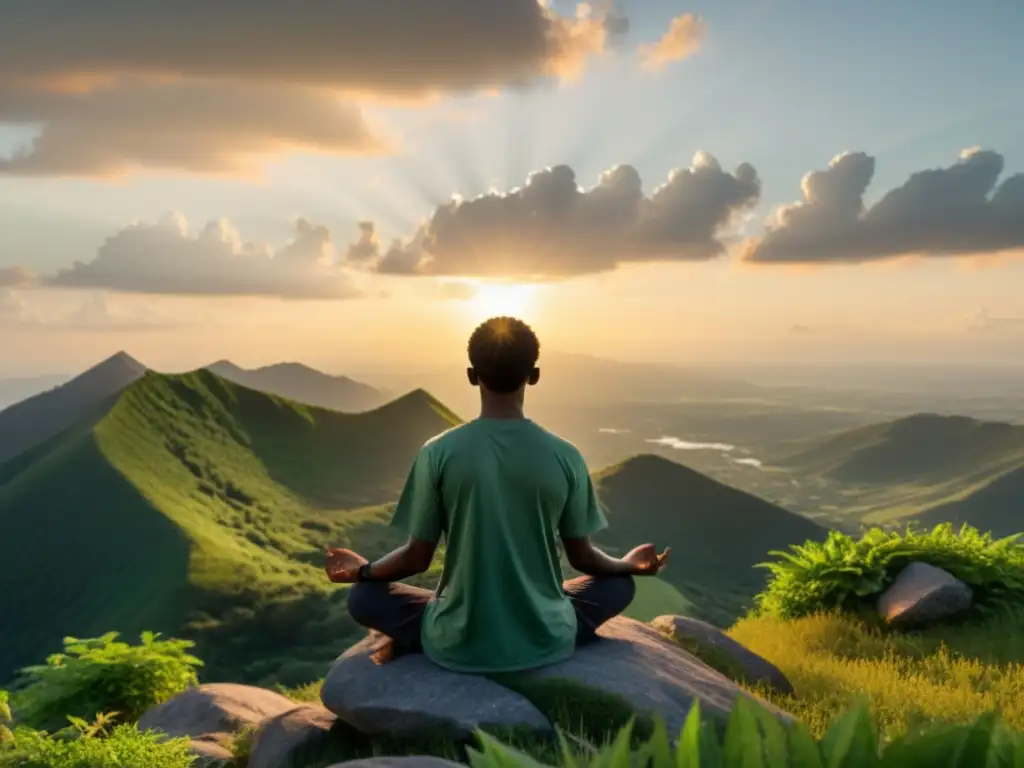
(364, 572)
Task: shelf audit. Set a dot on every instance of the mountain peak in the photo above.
(120, 360)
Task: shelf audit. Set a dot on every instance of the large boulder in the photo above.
(212, 714)
(657, 677)
(923, 594)
(719, 651)
(630, 660)
(410, 694)
(291, 738)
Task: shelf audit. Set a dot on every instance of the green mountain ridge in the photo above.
(927, 468)
(32, 421)
(194, 502)
(920, 448)
(717, 533)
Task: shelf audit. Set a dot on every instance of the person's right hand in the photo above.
(646, 560)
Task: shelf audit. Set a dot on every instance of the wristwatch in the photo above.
(363, 574)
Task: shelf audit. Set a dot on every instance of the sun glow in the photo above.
(496, 299)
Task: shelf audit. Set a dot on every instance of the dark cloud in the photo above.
(551, 228)
(201, 86)
(380, 46)
(192, 126)
(957, 210)
(164, 258)
(14, 277)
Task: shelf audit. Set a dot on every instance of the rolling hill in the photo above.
(717, 533)
(32, 421)
(192, 505)
(304, 385)
(927, 468)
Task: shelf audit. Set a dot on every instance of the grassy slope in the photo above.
(716, 532)
(947, 674)
(195, 499)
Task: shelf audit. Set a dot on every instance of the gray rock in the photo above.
(212, 714)
(711, 640)
(631, 660)
(923, 594)
(656, 676)
(411, 694)
(411, 761)
(288, 739)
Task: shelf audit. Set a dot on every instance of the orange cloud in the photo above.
(682, 39)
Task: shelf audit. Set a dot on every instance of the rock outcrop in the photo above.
(411, 695)
(923, 594)
(719, 651)
(291, 739)
(211, 715)
(631, 661)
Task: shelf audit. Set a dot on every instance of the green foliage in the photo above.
(6, 718)
(755, 738)
(123, 747)
(104, 675)
(846, 574)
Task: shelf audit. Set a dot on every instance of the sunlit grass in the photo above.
(953, 674)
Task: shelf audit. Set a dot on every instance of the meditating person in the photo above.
(503, 491)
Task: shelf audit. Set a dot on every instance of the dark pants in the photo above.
(396, 610)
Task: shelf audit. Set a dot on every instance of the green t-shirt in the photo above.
(503, 491)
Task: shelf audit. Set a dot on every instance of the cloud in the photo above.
(682, 39)
(96, 313)
(165, 258)
(957, 210)
(14, 277)
(550, 228)
(207, 127)
(114, 85)
(401, 47)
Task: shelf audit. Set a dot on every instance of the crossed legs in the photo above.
(396, 610)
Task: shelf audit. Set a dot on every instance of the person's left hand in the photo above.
(342, 565)
(646, 559)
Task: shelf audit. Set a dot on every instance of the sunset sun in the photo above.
(495, 299)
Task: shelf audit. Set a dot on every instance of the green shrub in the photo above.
(847, 574)
(5, 717)
(123, 747)
(754, 738)
(103, 675)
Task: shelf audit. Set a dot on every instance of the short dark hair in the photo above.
(503, 351)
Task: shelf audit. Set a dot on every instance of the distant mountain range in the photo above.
(32, 421)
(303, 384)
(194, 505)
(927, 468)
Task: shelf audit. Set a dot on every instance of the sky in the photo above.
(358, 184)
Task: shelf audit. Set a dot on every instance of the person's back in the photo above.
(508, 490)
(503, 492)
